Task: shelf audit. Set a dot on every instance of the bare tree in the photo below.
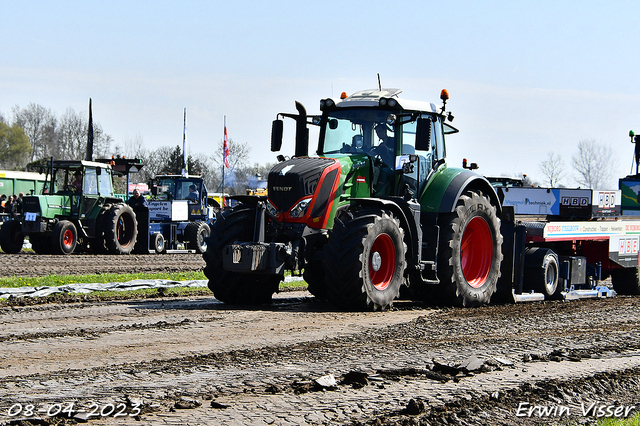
(594, 163)
(72, 137)
(39, 125)
(553, 169)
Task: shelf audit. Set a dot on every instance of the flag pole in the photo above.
(185, 166)
(224, 143)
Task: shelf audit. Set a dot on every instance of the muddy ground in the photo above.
(298, 361)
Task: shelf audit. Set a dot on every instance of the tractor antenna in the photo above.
(379, 85)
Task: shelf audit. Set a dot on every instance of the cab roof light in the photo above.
(343, 95)
(444, 95)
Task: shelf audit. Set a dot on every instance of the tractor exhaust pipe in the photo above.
(302, 132)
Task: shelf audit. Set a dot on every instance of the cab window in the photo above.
(90, 185)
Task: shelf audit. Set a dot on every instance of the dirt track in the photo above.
(197, 361)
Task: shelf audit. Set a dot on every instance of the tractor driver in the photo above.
(383, 176)
(193, 194)
(76, 185)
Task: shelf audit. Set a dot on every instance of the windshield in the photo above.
(357, 130)
(179, 189)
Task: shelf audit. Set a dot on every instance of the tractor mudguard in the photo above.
(447, 185)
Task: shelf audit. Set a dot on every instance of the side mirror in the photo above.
(276, 135)
(423, 134)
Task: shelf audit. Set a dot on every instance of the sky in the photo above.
(525, 78)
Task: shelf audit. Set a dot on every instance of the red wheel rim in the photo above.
(476, 252)
(382, 261)
(67, 238)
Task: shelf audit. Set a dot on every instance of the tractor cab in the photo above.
(75, 188)
(403, 141)
(177, 187)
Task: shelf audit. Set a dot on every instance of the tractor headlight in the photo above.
(326, 103)
(273, 212)
(300, 209)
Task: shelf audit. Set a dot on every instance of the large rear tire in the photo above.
(542, 272)
(365, 260)
(11, 237)
(236, 224)
(626, 280)
(196, 234)
(120, 229)
(64, 238)
(470, 252)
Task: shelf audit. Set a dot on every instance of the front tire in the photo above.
(64, 238)
(11, 237)
(41, 243)
(233, 225)
(470, 252)
(365, 260)
(314, 276)
(196, 233)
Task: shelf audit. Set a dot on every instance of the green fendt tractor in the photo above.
(76, 210)
(377, 209)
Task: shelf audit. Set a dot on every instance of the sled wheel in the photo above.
(365, 260)
(542, 272)
(236, 224)
(470, 252)
(626, 280)
(159, 243)
(64, 237)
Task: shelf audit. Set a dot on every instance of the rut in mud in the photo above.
(299, 361)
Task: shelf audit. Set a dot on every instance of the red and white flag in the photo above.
(226, 145)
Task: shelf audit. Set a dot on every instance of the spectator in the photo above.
(193, 194)
(3, 201)
(8, 206)
(17, 204)
(137, 200)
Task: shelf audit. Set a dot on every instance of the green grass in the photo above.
(58, 280)
(631, 421)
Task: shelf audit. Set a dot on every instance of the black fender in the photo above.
(447, 185)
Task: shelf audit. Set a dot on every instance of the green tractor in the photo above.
(377, 212)
(77, 210)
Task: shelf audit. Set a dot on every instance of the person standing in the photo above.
(137, 201)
